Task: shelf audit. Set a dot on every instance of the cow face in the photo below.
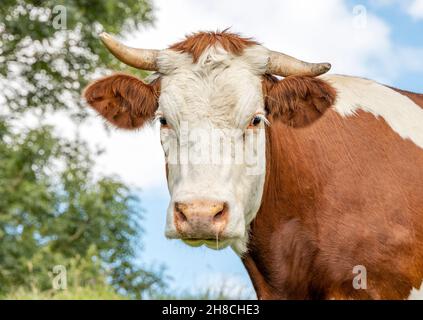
(212, 99)
(212, 118)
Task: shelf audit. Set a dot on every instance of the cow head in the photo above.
(212, 94)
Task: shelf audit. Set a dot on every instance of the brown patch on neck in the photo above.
(197, 43)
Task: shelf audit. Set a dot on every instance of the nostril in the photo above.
(180, 216)
(218, 215)
(221, 215)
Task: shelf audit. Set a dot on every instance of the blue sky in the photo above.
(406, 31)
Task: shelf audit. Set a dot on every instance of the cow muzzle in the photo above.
(201, 220)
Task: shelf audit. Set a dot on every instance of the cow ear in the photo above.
(296, 100)
(123, 100)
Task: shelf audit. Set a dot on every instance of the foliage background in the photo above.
(53, 209)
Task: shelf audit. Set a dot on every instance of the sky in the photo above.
(377, 39)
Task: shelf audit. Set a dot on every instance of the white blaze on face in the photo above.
(212, 151)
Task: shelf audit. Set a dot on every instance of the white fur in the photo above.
(401, 113)
(416, 294)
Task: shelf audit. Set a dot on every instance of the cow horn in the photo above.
(283, 65)
(139, 58)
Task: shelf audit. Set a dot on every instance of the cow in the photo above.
(335, 211)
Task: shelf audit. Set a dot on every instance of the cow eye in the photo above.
(256, 121)
(163, 121)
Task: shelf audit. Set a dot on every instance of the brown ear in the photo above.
(296, 100)
(124, 100)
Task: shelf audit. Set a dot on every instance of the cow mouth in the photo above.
(215, 244)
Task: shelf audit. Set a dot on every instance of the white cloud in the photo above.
(415, 9)
(354, 40)
(135, 156)
(320, 30)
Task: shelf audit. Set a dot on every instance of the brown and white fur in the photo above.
(343, 180)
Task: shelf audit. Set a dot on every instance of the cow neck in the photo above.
(281, 249)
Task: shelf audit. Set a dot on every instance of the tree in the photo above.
(53, 211)
(49, 49)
